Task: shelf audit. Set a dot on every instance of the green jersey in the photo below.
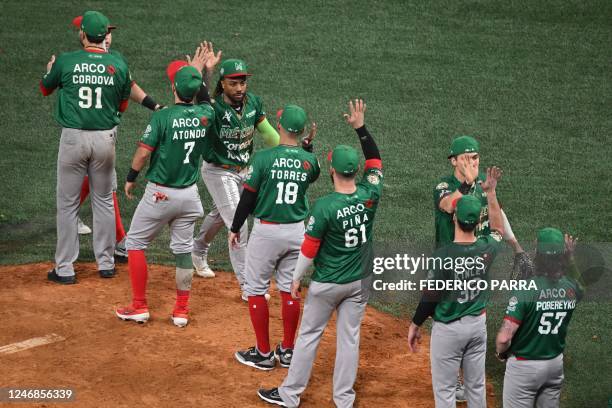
(233, 143)
(177, 137)
(544, 315)
(445, 227)
(92, 87)
(281, 175)
(343, 223)
(463, 263)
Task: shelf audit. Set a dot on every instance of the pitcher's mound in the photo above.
(112, 363)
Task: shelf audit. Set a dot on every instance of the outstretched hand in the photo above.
(467, 167)
(493, 176)
(200, 57)
(312, 132)
(570, 244)
(212, 59)
(356, 115)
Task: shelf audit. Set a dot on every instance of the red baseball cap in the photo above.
(78, 19)
(174, 67)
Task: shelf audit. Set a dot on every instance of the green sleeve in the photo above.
(270, 135)
(373, 180)
(317, 223)
(53, 79)
(152, 133)
(255, 173)
(441, 191)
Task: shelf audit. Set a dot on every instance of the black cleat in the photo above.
(271, 396)
(63, 280)
(283, 356)
(107, 273)
(253, 358)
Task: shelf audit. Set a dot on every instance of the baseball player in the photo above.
(459, 334)
(175, 139)
(94, 91)
(532, 335)
(238, 114)
(339, 240)
(136, 95)
(464, 156)
(275, 192)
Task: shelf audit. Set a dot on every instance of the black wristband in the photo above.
(132, 175)
(465, 188)
(362, 131)
(149, 103)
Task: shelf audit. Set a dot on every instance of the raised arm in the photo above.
(496, 221)
(356, 118)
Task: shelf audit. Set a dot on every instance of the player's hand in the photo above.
(212, 59)
(570, 245)
(493, 176)
(128, 189)
(356, 115)
(467, 168)
(312, 132)
(414, 337)
(295, 289)
(234, 239)
(199, 58)
(50, 63)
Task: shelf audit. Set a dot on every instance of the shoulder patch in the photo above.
(496, 236)
(311, 223)
(373, 179)
(442, 186)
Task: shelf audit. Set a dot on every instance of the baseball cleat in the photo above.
(253, 358)
(283, 356)
(121, 254)
(201, 266)
(107, 273)
(139, 315)
(63, 280)
(180, 318)
(82, 228)
(271, 396)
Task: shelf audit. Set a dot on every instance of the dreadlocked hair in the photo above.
(218, 89)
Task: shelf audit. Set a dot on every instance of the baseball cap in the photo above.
(550, 241)
(344, 160)
(293, 118)
(187, 81)
(173, 68)
(78, 19)
(95, 24)
(464, 144)
(233, 68)
(467, 209)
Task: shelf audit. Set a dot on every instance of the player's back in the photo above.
(544, 315)
(281, 175)
(464, 263)
(177, 137)
(344, 223)
(92, 87)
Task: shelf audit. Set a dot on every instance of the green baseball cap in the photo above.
(95, 24)
(467, 209)
(344, 160)
(233, 68)
(293, 119)
(464, 144)
(187, 81)
(550, 241)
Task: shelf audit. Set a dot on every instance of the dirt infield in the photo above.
(111, 363)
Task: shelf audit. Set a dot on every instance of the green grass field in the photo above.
(530, 79)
